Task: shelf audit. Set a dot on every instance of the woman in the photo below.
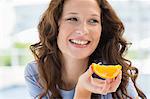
(73, 34)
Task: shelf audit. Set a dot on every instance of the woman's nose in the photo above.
(83, 28)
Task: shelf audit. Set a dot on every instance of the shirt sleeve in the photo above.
(131, 90)
(31, 79)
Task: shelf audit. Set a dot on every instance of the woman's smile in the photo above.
(79, 42)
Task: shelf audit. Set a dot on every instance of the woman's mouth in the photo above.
(79, 42)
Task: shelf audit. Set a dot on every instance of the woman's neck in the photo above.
(71, 70)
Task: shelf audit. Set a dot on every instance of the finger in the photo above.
(97, 81)
(118, 80)
(109, 80)
(119, 77)
(120, 74)
(106, 86)
(94, 88)
(115, 84)
(113, 80)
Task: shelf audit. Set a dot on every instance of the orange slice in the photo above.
(106, 71)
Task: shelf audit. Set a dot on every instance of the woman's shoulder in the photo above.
(31, 69)
(32, 80)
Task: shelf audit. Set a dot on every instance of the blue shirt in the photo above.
(34, 88)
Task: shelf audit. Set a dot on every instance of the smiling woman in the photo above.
(79, 28)
(72, 39)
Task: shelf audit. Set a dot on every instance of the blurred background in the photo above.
(18, 30)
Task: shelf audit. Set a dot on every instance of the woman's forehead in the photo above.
(75, 6)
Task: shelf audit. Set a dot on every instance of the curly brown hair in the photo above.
(111, 49)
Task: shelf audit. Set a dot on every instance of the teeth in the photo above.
(81, 42)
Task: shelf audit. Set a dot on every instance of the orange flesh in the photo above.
(106, 71)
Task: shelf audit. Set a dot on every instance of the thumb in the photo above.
(90, 71)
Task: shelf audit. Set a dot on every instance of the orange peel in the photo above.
(106, 71)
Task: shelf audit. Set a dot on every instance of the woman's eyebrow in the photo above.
(75, 13)
(72, 13)
(95, 15)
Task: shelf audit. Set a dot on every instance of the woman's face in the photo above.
(79, 28)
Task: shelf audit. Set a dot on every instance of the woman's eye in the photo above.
(94, 21)
(72, 19)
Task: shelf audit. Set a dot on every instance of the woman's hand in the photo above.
(87, 85)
